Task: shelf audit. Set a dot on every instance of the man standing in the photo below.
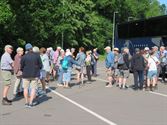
(163, 60)
(138, 66)
(30, 65)
(109, 62)
(6, 72)
(18, 73)
(123, 67)
(96, 57)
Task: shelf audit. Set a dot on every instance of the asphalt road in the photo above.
(91, 104)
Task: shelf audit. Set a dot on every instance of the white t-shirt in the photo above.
(45, 62)
(152, 60)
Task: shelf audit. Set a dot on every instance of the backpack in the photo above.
(121, 60)
(65, 63)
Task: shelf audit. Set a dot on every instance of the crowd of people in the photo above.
(40, 65)
(146, 65)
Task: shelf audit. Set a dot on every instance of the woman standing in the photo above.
(67, 63)
(88, 65)
(81, 61)
(18, 72)
(152, 71)
(45, 69)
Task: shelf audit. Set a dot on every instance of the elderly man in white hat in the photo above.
(6, 73)
(109, 62)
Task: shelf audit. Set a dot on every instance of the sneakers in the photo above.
(5, 101)
(27, 105)
(109, 86)
(163, 81)
(30, 105)
(60, 85)
(124, 88)
(9, 100)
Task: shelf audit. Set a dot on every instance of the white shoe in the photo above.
(109, 86)
(60, 85)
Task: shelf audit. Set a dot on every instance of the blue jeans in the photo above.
(60, 78)
(94, 68)
(67, 75)
(138, 78)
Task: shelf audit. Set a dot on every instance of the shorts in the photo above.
(6, 76)
(116, 72)
(152, 74)
(67, 75)
(80, 69)
(42, 74)
(30, 82)
(110, 73)
(123, 73)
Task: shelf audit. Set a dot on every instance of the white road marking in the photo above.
(101, 69)
(83, 108)
(101, 79)
(155, 93)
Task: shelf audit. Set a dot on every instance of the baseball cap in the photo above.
(28, 46)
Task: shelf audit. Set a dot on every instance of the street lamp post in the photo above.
(62, 34)
(113, 36)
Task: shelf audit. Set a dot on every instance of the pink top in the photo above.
(17, 65)
(55, 57)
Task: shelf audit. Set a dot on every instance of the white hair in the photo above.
(67, 50)
(68, 53)
(19, 49)
(35, 49)
(7, 46)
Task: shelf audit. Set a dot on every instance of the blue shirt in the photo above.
(6, 61)
(71, 61)
(164, 58)
(109, 61)
(81, 58)
(30, 65)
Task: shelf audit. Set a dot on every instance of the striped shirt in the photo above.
(6, 62)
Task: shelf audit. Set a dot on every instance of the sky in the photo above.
(163, 1)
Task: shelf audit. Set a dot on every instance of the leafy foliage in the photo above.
(68, 23)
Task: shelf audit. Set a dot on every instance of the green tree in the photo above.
(72, 22)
